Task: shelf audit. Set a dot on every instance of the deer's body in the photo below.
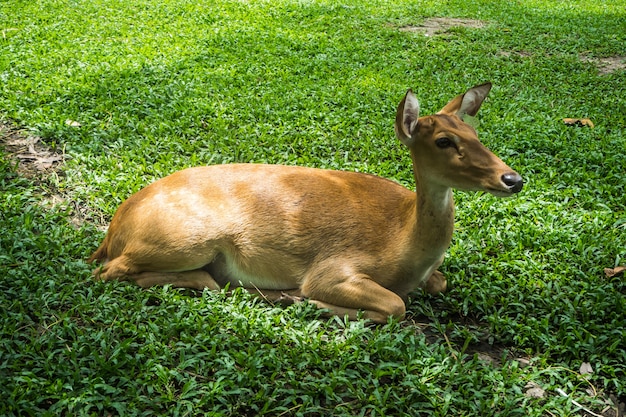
(346, 241)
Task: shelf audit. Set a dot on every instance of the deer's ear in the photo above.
(467, 103)
(406, 118)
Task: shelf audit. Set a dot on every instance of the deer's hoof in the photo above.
(436, 284)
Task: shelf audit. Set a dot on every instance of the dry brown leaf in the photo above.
(578, 122)
(26, 156)
(611, 272)
(586, 369)
(45, 163)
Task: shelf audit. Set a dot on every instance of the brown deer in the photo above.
(345, 241)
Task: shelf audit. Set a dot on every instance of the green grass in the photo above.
(158, 86)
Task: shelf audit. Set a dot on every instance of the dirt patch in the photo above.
(35, 159)
(436, 25)
(42, 165)
(520, 54)
(607, 65)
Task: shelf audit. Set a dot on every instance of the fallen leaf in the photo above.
(611, 272)
(21, 141)
(586, 369)
(26, 156)
(578, 122)
(45, 163)
(72, 123)
(534, 390)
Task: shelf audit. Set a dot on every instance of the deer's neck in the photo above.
(429, 237)
(434, 216)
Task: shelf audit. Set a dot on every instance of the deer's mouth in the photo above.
(500, 193)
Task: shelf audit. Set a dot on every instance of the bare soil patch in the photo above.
(607, 65)
(520, 54)
(436, 25)
(43, 166)
(35, 159)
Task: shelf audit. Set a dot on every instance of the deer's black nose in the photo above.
(514, 181)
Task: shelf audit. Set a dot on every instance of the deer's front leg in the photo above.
(347, 295)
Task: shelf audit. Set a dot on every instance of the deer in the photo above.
(350, 243)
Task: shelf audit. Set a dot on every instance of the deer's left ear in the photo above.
(469, 102)
(406, 118)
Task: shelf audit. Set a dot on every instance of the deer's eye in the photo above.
(444, 143)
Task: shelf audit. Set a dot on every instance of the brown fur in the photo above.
(348, 242)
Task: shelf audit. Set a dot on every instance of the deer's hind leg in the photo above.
(197, 279)
(122, 268)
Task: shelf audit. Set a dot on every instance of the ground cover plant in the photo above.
(99, 98)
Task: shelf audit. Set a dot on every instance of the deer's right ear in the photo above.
(406, 118)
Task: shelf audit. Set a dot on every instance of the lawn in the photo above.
(99, 98)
